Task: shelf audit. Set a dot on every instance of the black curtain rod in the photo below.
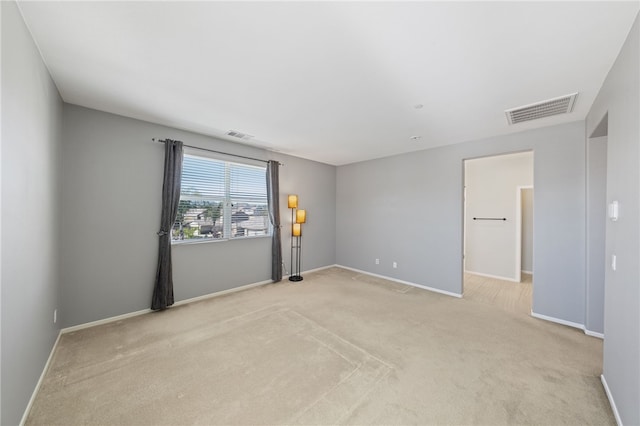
(219, 152)
(489, 218)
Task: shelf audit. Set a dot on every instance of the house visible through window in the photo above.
(221, 200)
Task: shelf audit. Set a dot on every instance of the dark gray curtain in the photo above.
(163, 290)
(273, 197)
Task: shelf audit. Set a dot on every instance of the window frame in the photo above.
(227, 203)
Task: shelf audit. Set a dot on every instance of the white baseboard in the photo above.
(222, 292)
(558, 320)
(611, 401)
(498, 277)
(568, 323)
(424, 287)
(594, 334)
(308, 271)
(146, 311)
(181, 302)
(104, 321)
(37, 388)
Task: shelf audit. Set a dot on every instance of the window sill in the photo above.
(215, 240)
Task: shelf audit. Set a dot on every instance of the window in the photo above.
(221, 200)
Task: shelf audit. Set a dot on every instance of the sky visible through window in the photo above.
(204, 179)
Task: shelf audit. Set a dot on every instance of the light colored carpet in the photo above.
(336, 348)
(507, 295)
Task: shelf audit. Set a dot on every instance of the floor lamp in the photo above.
(298, 217)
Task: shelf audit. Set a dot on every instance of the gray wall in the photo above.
(408, 208)
(596, 230)
(31, 123)
(620, 98)
(111, 188)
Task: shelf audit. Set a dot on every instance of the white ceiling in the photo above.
(335, 82)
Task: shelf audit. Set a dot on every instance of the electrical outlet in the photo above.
(395, 265)
(377, 261)
(55, 316)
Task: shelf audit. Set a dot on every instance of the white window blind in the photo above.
(220, 200)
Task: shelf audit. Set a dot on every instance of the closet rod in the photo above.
(218, 152)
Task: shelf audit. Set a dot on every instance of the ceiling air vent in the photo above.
(555, 106)
(238, 135)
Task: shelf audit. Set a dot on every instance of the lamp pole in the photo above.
(291, 273)
(296, 232)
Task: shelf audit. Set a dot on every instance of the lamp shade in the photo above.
(297, 230)
(293, 201)
(301, 216)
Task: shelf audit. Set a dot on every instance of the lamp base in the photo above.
(295, 278)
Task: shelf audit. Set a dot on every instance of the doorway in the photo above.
(525, 201)
(498, 231)
(596, 228)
